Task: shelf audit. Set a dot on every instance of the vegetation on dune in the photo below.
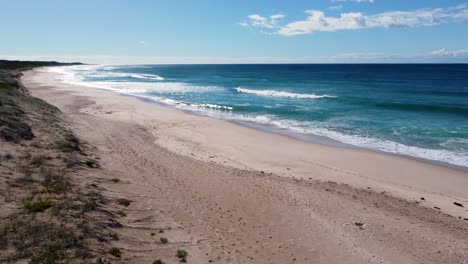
(38, 207)
(124, 201)
(182, 255)
(56, 221)
(115, 252)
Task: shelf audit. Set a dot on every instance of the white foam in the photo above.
(273, 93)
(71, 75)
(147, 76)
(453, 157)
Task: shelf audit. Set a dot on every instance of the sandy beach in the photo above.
(233, 194)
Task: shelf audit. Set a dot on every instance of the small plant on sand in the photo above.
(123, 201)
(37, 161)
(121, 213)
(55, 182)
(115, 252)
(114, 236)
(164, 240)
(115, 180)
(182, 255)
(37, 207)
(50, 255)
(158, 261)
(69, 144)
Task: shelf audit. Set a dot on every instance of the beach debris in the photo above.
(359, 224)
(458, 204)
(435, 207)
(422, 198)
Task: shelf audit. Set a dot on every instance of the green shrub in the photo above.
(69, 144)
(164, 240)
(121, 213)
(37, 161)
(123, 201)
(182, 255)
(55, 182)
(114, 236)
(50, 255)
(38, 207)
(115, 180)
(115, 252)
(158, 261)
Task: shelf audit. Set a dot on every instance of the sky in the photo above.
(241, 31)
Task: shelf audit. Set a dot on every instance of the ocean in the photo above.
(418, 110)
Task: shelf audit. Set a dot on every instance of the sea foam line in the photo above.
(147, 76)
(311, 128)
(274, 93)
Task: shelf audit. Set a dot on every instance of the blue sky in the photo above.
(174, 31)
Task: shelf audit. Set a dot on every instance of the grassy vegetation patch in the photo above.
(38, 207)
(124, 201)
(55, 181)
(182, 255)
(116, 252)
(42, 242)
(69, 143)
(121, 213)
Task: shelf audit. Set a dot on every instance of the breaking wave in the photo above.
(274, 93)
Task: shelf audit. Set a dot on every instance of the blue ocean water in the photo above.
(417, 110)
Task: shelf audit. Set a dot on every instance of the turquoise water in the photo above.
(416, 110)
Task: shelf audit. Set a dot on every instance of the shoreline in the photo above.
(230, 193)
(205, 138)
(440, 157)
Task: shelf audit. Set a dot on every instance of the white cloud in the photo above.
(257, 20)
(451, 53)
(318, 21)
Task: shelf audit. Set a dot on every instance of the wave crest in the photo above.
(147, 76)
(274, 93)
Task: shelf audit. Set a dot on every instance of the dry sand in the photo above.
(231, 194)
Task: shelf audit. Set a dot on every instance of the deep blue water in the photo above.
(417, 110)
